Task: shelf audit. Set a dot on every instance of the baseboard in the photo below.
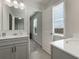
(37, 43)
(41, 47)
(46, 51)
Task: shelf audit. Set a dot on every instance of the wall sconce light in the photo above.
(15, 4)
(8, 2)
(21, 6)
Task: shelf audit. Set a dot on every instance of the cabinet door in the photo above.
(5, 53)
(21, 51)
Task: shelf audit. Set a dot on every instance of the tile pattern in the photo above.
(37, 52)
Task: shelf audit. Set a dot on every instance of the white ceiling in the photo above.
(40, 3)
(37, 2)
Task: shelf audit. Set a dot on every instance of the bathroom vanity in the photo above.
(14, 42)
(14, 47)
(65, 49)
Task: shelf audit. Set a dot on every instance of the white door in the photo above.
(47, 29)
(5, 53)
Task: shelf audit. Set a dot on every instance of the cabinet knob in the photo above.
(13, 49)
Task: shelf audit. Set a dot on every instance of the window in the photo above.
(58, 19)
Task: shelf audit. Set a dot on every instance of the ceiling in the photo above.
(40, 3)
(37, 2)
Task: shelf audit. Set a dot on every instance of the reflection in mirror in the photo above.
(19, 23)
(11, 17)
(10, 22)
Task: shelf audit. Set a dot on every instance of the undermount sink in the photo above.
(72, 41)
(71, 45)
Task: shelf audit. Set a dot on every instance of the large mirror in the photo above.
(19, 23)
(13, 18)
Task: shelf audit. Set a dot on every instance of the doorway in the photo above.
(36, 27)
(33, 27)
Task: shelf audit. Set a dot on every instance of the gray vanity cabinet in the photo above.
(17, 51)
(21, 51)
(5, 53)
(14, 49)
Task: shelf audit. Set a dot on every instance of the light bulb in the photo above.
(22, 6)
(20, 18)
(9, 3)
(15, 3)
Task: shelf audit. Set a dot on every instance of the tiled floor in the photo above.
(37, 52)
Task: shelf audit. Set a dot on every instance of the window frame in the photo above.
(53, 20)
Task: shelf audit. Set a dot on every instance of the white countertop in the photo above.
(17, 36)
(9, 40)
(70, 46)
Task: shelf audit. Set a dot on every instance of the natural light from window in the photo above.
(58, 19)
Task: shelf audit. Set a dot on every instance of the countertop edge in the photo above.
(52, 44)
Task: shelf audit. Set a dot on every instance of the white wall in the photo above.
(6, 11)
(47, 29)
(72, 16)
(0, 15)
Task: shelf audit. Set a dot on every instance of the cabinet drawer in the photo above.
(13, 41)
